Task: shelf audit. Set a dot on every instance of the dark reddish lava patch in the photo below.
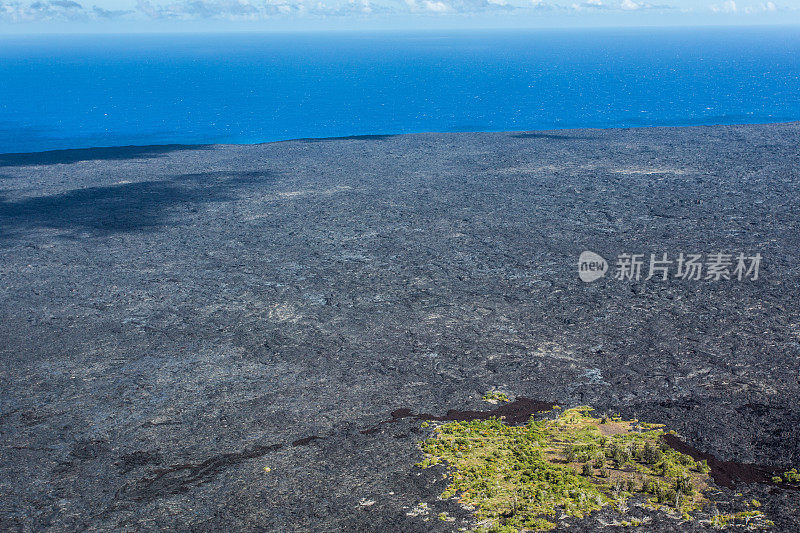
(728, 473)
(514, 413)
(724, 473)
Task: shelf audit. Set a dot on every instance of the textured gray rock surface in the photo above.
(172, 319)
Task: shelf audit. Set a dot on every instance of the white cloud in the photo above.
(53, 10)
(187, 10)
(436, 7)
(725, 7)
(237, 10)
(257, 10)
(767, 7)
(102, 13)
(541, 5)
(731, 7)
(590, 5)
(361, 6)
(457, 6)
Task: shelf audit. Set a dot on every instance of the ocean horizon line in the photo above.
(399, 30)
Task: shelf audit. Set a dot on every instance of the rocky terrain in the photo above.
(175, 319)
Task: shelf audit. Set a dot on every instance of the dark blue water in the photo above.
(70, 92)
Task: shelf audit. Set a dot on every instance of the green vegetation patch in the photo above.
(520, 478)
(496, 397)
(790, 476)
(748, 519)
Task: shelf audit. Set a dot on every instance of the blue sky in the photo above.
(35, 16)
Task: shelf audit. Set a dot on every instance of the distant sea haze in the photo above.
(83, 91)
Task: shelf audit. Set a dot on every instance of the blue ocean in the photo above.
(79, 91)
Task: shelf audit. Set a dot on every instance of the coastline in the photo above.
(177, 146)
